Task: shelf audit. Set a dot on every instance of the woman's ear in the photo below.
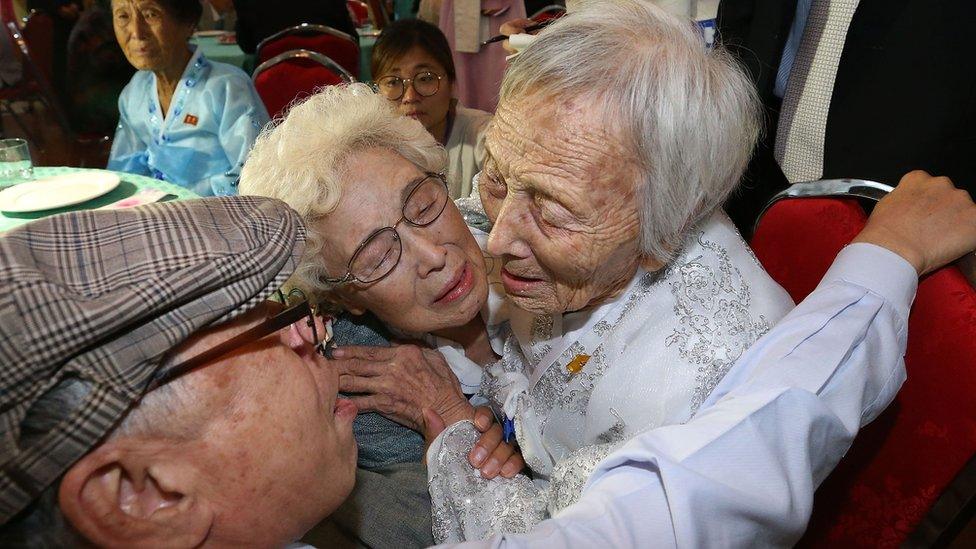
(118, 496)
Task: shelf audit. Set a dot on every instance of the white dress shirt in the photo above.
(743, 471)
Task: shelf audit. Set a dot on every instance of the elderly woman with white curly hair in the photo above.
(634, 292)
(384, 238)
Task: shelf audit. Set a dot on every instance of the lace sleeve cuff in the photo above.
(466, 506)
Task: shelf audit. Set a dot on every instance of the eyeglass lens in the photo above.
(425, 84)
(380, 253)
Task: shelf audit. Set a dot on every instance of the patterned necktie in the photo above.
(799, 147)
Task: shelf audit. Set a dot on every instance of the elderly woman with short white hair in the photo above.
(617, 139)
(383, 237)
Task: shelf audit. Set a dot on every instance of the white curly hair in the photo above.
(691, 115)
(301, 160)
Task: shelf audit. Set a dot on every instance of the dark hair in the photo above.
(184, 11)
(400, 37)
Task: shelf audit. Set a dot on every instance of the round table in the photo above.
(129, 186)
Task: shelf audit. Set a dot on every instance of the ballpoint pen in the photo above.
(526, 30)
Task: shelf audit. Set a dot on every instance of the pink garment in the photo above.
(479, 75)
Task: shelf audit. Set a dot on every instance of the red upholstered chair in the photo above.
(359, 12)
(908, 478)
(294, 75)
(336, 45)
(554, 11)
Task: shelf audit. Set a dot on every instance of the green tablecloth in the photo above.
(129, 186)
(403, 9)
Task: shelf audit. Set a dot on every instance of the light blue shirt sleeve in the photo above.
(129, 146)
(742, 473)
(242, 116)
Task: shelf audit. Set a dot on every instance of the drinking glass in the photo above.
(15, 162)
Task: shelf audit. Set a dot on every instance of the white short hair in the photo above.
(301, 159)
(691, 115)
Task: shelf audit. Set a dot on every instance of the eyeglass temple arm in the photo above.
(342, 280)
(279, 321)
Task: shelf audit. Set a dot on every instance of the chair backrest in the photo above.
(359, 12)
(553, 11)
(294, 75)
(894, 485)
(334, 44)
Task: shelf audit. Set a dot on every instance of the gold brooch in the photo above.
(575, 366)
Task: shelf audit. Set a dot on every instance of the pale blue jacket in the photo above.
(213, 119)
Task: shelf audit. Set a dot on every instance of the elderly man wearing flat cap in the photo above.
(150, 396)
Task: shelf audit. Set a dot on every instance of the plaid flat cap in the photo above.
(99, 297)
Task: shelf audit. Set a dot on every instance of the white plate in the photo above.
(57, 192)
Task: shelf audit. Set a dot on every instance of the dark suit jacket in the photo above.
(259, 19)
(904, 98)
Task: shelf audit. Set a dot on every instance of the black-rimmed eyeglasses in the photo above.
(380, 252)
(425, 83)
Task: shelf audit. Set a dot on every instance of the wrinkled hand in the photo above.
(400, 382)
(490, 454)
(514, 26)
(926, 220)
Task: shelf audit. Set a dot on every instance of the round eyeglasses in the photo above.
(425, 83)
(379, 252)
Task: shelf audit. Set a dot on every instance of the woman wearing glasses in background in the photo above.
(412, 67)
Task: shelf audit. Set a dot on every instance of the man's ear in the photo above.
(123, 496)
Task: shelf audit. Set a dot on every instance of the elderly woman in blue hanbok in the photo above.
(182, 118)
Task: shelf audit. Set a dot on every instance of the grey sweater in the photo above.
(382, 442)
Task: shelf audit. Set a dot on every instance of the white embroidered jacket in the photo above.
(657, 351)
